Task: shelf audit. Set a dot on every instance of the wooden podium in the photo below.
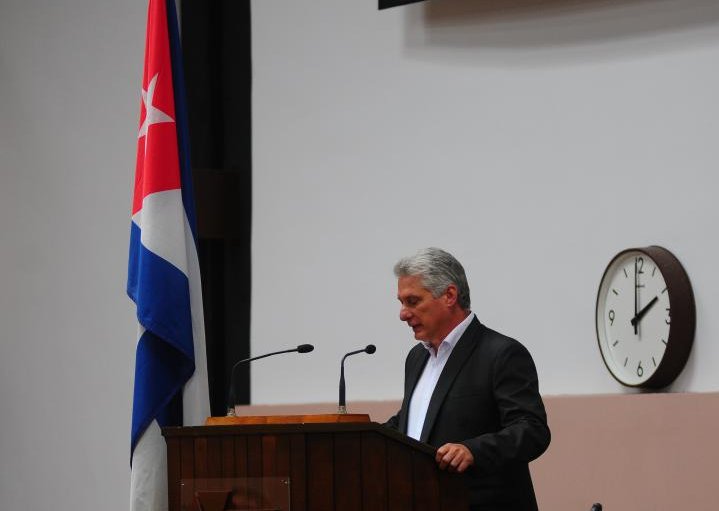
(331, 462)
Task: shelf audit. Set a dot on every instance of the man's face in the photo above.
(429, 317)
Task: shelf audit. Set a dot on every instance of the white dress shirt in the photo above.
(430, 375)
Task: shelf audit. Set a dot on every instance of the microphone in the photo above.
(302, 348)
(342, 409)
(596, 507)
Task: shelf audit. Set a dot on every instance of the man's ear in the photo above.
(450, 295)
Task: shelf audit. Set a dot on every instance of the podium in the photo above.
(324, 463)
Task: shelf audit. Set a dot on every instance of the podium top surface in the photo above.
(327, 418)
(307, 427)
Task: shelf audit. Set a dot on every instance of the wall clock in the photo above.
(645, 317)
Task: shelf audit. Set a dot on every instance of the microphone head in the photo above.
(371, 348)
(305, 348)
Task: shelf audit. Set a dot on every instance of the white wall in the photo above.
(532, 142)
(69, 103)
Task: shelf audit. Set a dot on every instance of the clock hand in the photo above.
(636, 296)
(637, 317)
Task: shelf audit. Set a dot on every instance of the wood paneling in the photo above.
(330, 466)
(374, 472)
(400, 483)
(320, 466)
(425, 486)
(348, 471)
(173, 472)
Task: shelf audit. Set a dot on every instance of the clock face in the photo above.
(633, 317)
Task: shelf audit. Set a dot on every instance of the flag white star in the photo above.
(153, 115)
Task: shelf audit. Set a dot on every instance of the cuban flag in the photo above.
(163, 274)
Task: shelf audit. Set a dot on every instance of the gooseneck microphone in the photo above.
(371, 348)
(302, 348)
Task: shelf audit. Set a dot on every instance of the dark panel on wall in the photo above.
(385, 4)
(217, 53)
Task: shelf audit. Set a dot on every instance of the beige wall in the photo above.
(629, 452)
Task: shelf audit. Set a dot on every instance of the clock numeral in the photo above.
(625, 361)
(654, 271)
(654, 362)
(615, 292)
(615, 343)
(668, 321)
(640, 369)
(626, 275)
(664, 290)
(611, 317)
(664, 341)
(640, 265)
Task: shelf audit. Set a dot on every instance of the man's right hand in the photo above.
(454, 457)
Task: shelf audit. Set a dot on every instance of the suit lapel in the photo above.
(464, 347)
(414, 370)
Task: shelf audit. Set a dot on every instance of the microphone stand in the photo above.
(342, 408)
(302, 348)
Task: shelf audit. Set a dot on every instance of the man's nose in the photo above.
(404, 314)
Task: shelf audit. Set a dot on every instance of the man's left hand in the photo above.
(454, 457)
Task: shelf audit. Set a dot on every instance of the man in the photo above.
(469, 391)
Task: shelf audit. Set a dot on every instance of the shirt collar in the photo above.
(454, 335)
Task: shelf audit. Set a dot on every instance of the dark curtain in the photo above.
(216, 49)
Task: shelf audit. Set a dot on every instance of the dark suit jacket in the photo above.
(487, 398)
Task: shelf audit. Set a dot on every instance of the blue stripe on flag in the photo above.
(161, 293)
(165, 357)
(160, 373)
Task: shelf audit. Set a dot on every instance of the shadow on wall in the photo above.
(567, 28)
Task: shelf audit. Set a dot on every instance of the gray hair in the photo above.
(437, 269)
